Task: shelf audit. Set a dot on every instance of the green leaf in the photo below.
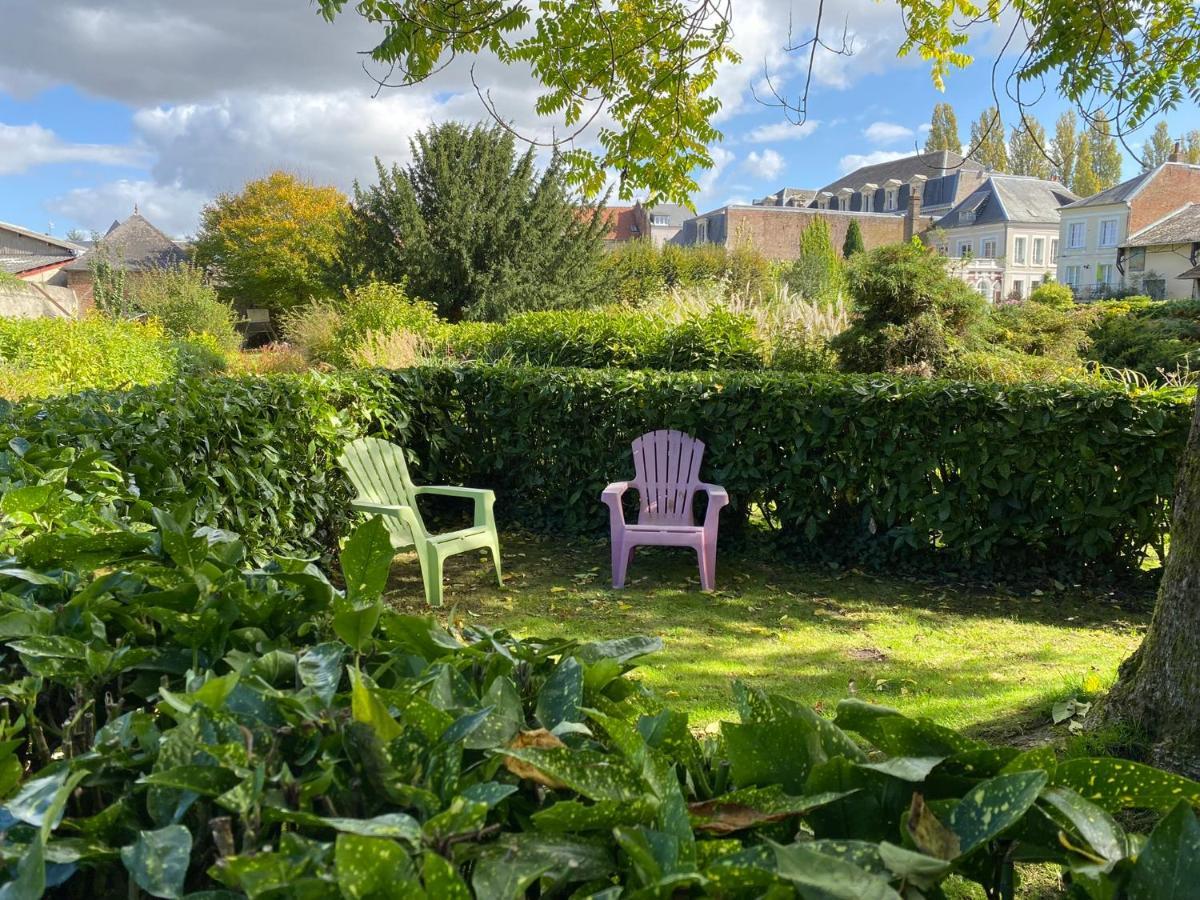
(371, 867)
(1168, 867)
(29, 880)
(1100, 830)
(1117, 784)
(503, 721)
(320, 669)
(365, 707)
(208, 781)
(829, 876)
(354, 622)
(994, 806)
(907, 768)
(562, 695)
(442, 880)
(366, 561)
(158, 860)
(620, 650)
(596, 776)
(604, 815)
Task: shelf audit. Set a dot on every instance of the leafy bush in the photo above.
(1071, 479)
(42, 357)
(1039, 329)
(638, 271)
(1150, 337)
(189, 723)
(816, 273)
(596, 339)
(186, 306)
(359, 325)
(1050, 293)
(912, 315)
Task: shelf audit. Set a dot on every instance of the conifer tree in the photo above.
(943, 130)
(1106, 155)
(853, 242)
(1064, 147)
(1028, 152)
(987, 141)
(1158, 147)
(1084, 181)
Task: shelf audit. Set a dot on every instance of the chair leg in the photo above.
(495, 548)
(621, 555)
(707, 554)
(431, 572)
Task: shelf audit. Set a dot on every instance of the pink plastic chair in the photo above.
(667, 475)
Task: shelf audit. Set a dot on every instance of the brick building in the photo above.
(132, 246)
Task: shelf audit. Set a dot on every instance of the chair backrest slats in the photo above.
(380, 475)
(666, 468)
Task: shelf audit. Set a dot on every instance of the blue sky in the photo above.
(106, 104)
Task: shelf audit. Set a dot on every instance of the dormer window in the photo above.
(868, 204)
(966, 217)
(890, 199)
(660, 220)
(843, 203)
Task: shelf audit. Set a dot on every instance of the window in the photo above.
(823, 203)
(988, 249)
(984, 287)
(1019, 288)
(890, 198)
(1071, 275)
(1108, 233)
(1076, 235)
(868, 204)
(1104, 274)
(702, 231)
(842, 202)
(1039, 251)
(965, 248)
(1137, 259)
(1019, 251)
(660, 220)
(1053, 249)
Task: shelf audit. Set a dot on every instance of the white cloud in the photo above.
(173, 208)
(887, 132)
(765, 165)
(23, 147)
(858, 160)
(707, 181)
(925, 128)
(782, 131)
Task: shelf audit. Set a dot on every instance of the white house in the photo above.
(1165, 255)
(1003, 238)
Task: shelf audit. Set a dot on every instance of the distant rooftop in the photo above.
(135, 245)
(1010, 198)
(1180, 227)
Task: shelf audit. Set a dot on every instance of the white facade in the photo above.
(1002, 259)
(1164, 264)
(1088, 239)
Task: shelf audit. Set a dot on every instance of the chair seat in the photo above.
(461, 535)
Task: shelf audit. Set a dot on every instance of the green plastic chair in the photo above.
(379, 474)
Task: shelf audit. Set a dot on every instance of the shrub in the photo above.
(1040, 329)
(1050, 293)
(685, 340)
(389, 350)
(1153, 338)
(186, 306)
(255, 730)
(313, 329)
(817, 272)
(41, 357)
(270, 359)
(911, 314)
(853, 242)
(637, 272)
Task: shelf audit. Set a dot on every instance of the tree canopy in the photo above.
(987, 141)
(943, 130)
(475, 228)
(646, 69)
(273, 243)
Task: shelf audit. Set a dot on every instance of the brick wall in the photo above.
(1171, 188)
(776, 231)
(81, 284)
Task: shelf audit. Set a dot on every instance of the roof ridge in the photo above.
(1172, 214)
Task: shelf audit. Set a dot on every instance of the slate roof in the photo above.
(135, 245)
(784, 196)
(14, 263)
(1010, 198)
(1116, 194)
(932, 165)
(676, 214)
(1180, 227)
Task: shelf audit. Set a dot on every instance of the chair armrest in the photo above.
(404, 513)
(718, 498)
(611, 497)
(483, 498)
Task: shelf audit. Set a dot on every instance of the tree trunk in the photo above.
(1158, 688)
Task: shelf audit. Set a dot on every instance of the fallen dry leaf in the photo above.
(538, 739)
(726, 818)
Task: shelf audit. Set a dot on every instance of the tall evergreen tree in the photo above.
(853, 242)
(1191, 148)
(1084, 181)
(1158, 147)
(817, 272)
(943, 130)
(1064, 146)
(1028, 152)
(987, 141)
(475, 228)
(1106, 155)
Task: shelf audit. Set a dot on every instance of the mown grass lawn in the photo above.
(990, 662)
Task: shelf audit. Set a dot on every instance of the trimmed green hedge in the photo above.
(977, 477)
(598, 339)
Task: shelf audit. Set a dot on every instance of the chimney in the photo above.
(1176, 154)
(913, 213)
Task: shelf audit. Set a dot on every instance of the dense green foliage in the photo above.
(1150, 337)
(186, 305)
(637, 271)
(920, 473)
(854, 240)
(474, 228)
(911, 314)
(816, 273)
(179, 720)
(596, 339)
(1051, 293)
(41, 357)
